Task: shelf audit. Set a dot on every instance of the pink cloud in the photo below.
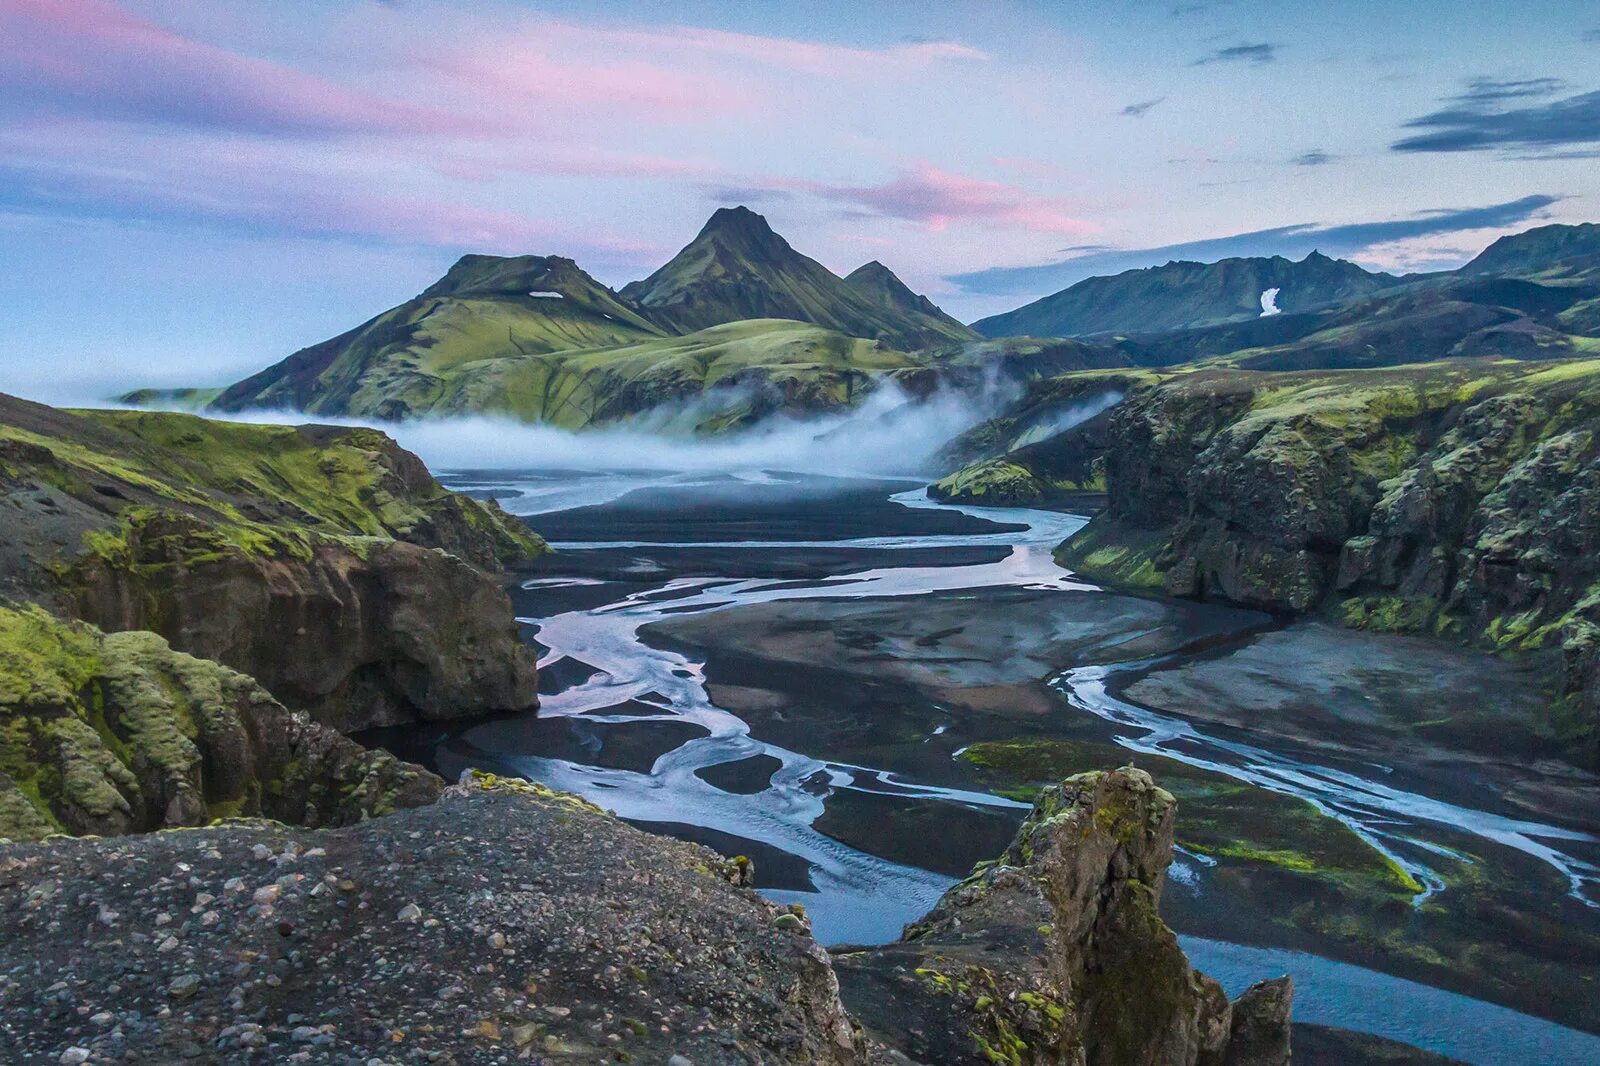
(553, 88)
(937, 198)
(811, 56)
(660, 73)
(568, 161)
(90, 57)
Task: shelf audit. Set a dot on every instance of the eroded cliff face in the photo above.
(1056, 953)
(359, 633)
(324, 562)
(117, 733)
(1461, 501)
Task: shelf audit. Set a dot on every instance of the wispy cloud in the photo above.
(1142, 108)
(1240, 53)
(1292, 241)
(937, 198)
(1478, 120)
(184, 179)
(1314, 158)
(89, 57)
(1482, 91)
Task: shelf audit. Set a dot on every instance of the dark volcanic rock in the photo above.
(510, 922)
(504, 923)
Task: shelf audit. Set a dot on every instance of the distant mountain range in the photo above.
(1185, 295)
(738, 324)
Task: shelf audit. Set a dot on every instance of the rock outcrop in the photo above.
(1462, 501)
(504, 923)
(1057, 954)
(509, 922)
(117, 733)
(360, 635)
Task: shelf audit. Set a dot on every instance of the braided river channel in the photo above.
(858, 688)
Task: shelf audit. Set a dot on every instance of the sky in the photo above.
(192, 189)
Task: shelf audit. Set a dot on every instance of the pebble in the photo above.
(410, 913)
(185, 986)
(74, 1056)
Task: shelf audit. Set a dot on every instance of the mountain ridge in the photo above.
(1183, 294)
(737, 267)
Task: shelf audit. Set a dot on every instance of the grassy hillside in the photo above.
(459, 360)
(738, 313)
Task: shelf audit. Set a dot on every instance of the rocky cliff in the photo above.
(1456, 499)
(326, 563)
(575, 937)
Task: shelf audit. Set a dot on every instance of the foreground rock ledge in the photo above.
(511, 923)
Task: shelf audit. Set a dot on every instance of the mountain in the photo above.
(413, 357)
(1549, 251)
(1186, 295)
(926, 324)
(737, 268)
(737, 312)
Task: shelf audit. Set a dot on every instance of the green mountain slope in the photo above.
(925, 323)
(409, 359)
(536, 338)
(1548, 251)
(1186, 295)
(737, 268)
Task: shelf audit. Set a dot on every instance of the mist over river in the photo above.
(859, 689)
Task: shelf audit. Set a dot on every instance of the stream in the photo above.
(629, 723)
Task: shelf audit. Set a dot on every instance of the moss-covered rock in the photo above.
(117, 733)
(325, 562)
(991, 483)
(1450, 498)
(1056, 953)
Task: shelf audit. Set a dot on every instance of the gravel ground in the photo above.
(504, 924)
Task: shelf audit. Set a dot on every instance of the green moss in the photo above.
(1115, 554)
(43, 661)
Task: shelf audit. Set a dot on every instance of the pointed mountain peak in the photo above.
(739, 225)
(874, 277)
(871, 271)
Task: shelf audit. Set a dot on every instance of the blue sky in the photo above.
(191, 189)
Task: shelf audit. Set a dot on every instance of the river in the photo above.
(652, 570)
